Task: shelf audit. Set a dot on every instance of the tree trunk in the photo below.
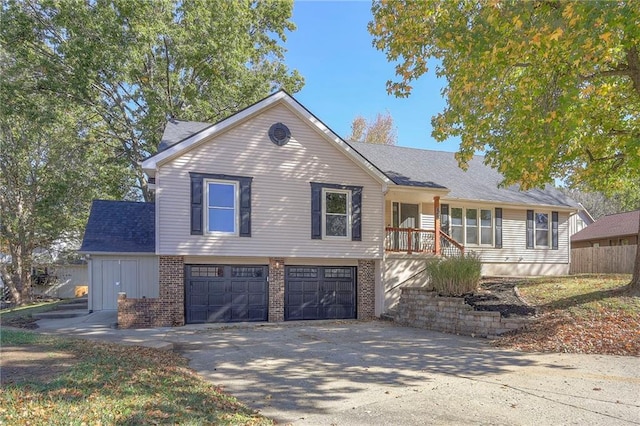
(634, 285)
(19, 274)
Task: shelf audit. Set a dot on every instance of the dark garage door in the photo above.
(319, 292)
(226, 293)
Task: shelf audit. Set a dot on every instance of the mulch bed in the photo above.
(499, 295)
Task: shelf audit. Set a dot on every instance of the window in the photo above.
(542, 230)
(336, 211)
(220, 204)
(541, 227)
(335, 208)
(471, 226)
(222, 211)
(486, 227)
(457, 226)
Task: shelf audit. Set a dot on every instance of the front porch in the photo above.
(414, 226)
(431, 241)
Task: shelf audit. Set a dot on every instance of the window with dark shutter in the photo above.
(200, 204)
(319, 215)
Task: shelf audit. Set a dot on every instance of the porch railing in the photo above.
(411, 240)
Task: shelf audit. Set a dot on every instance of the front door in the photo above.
(406, 216)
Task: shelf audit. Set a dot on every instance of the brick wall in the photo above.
(276, 289)
(422, 308)
(366, 289)
(165, 311)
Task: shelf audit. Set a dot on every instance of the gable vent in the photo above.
(279, 134)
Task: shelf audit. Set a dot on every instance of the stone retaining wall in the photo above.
(422, 308)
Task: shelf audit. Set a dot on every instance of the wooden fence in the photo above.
(603, 260)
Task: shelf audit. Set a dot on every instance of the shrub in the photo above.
(455, 276)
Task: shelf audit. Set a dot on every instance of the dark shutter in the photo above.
(530, 235)
(498, 236)
(245, 207)
(316, 211)
(356, 214)
(196, 205)
(554, 230)
(444, 218)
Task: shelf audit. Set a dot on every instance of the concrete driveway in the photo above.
(352, 373)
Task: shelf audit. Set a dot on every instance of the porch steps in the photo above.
(72, 308)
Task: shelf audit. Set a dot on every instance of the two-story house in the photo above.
(269, 215)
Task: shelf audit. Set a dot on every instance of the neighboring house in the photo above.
(613, 230)
(268, 215)
(580, 220)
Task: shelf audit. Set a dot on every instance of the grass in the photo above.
(580, 314)
(581, 294)
(112, 384)
(21, 316)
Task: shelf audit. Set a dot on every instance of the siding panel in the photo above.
(514, 241)
(281, 193)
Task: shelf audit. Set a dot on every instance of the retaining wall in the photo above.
(422, 308)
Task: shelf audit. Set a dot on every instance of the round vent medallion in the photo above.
(279, 134)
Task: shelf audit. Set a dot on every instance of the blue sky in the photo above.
(346, 76)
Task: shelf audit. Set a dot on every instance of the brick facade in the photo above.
(165, 311)
(168, 309)
(276, 289)
(366, 291)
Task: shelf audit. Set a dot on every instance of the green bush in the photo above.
(455, 276)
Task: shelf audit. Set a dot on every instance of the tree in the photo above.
(49, 172)
(381, 130)
(547, 89)
(136, 63)
(598, 204)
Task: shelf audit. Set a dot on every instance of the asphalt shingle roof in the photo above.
(177, 130)
(614, 225)
(420, 168)
(438, 169)
(120, 227)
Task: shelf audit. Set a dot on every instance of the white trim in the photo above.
(236, 212)
(479, 226)
(504, 204)
(347, 192)
(549, 245)
(151, 164)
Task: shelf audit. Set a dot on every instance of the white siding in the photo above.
(109, 275)
(514, 243)
(402, 270)
(281, 193)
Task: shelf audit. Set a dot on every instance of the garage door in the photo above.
(226, 293)
(319, 292)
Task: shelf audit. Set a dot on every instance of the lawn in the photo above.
(22, 316)
(580, 314)
(100, 383)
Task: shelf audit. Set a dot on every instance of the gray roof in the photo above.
(438, 169)
(177, 130)
(120, 227)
